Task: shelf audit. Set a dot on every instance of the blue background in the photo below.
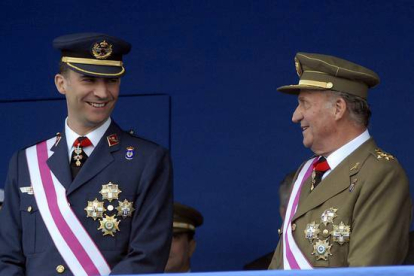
(218, 63)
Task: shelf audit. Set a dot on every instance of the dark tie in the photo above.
(79, 157)
(319, 169)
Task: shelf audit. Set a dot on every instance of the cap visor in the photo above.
(295, 89)
(97, 70)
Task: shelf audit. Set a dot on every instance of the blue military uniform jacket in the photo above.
(143, 242)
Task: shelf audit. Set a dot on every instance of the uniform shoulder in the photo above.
(57, 138)
(132, 138)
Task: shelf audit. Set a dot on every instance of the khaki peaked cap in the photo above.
(186, 218)
(322, 72)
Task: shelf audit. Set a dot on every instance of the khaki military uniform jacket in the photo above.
(369, 192)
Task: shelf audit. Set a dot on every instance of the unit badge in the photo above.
(125, 208)
(322, 250)
(110, 191)
(109, 225)
(311, 231)
(341, 233)
(95, 209)
(130, 152)
(328, 216)
(102, 50)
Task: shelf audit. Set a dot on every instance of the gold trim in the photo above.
(92, 61)
(183, 225)
(95, 73)
(316, 83)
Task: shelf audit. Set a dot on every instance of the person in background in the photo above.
(350, 203)
(186, 220)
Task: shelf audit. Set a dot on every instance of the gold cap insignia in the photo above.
(109, 225)
(125, 208)
(322, 250)
(383, 155)
(95, 209)
(102, 50)
(110, 191)
(341, 233)
(311, 231)
(298, 67)
(328, 216)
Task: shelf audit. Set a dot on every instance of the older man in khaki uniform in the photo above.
(350, 203)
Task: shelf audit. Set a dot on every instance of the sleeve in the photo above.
(381, 218)
(151, 229)
(12, 260)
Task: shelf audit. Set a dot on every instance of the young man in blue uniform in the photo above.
(94, 200)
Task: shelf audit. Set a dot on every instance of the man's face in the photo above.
(90, 100)
(182, 249)
(316, 115)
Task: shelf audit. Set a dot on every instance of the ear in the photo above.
(60, 82)
(340, 108)
(192, 245)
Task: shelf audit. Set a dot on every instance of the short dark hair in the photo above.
(358, 108)
(63, 68)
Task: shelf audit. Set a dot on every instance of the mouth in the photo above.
(97, 105)
(304, 128)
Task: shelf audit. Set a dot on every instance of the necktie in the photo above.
(79, 157)
(319, 169)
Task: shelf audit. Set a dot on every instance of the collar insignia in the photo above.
(112, 140)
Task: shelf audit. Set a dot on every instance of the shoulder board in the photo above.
(381, 155)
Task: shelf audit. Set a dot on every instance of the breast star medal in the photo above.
(311, 231)
(322, 249)
(341, 233)
(110, 191)
(95, 209)
(328, 216)
(109, 225)
(125, 208)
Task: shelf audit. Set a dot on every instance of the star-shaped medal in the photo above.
(125, 208)
(322, 250)
(109, 225)
(95, 209)
(311, 231)
(110, 191)
(328, 216)
(341, 233)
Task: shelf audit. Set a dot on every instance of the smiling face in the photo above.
(316, 114)
(90, 100)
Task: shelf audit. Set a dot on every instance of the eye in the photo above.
(88, 80)
(113, 80)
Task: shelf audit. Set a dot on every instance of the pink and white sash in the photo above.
(293, 257)
(73, 242)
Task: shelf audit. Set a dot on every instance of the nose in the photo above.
(297, 115)
(101, 89)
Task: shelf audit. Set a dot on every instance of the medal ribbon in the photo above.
(70, 238)
(293, 257)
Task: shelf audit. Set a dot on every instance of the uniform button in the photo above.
(60, 269)
(293, 226)
(29, 209)
(325, 232)
(279, 231)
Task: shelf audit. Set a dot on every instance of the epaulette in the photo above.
(383, 155)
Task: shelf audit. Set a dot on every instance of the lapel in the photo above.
(100, 158)
(59, 162)
(337, 181)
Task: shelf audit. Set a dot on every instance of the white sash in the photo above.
(293, 257)
(73, 242)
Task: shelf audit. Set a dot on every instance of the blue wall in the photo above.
(221, 61)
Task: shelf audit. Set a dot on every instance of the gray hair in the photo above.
(358, 108)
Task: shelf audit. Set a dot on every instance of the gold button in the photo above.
(325, 232)
(29, 209)
(279, 231)
(293, 226)
(60, 269)
(329, 85)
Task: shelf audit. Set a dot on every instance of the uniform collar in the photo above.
(95, 136)
(335, 158)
